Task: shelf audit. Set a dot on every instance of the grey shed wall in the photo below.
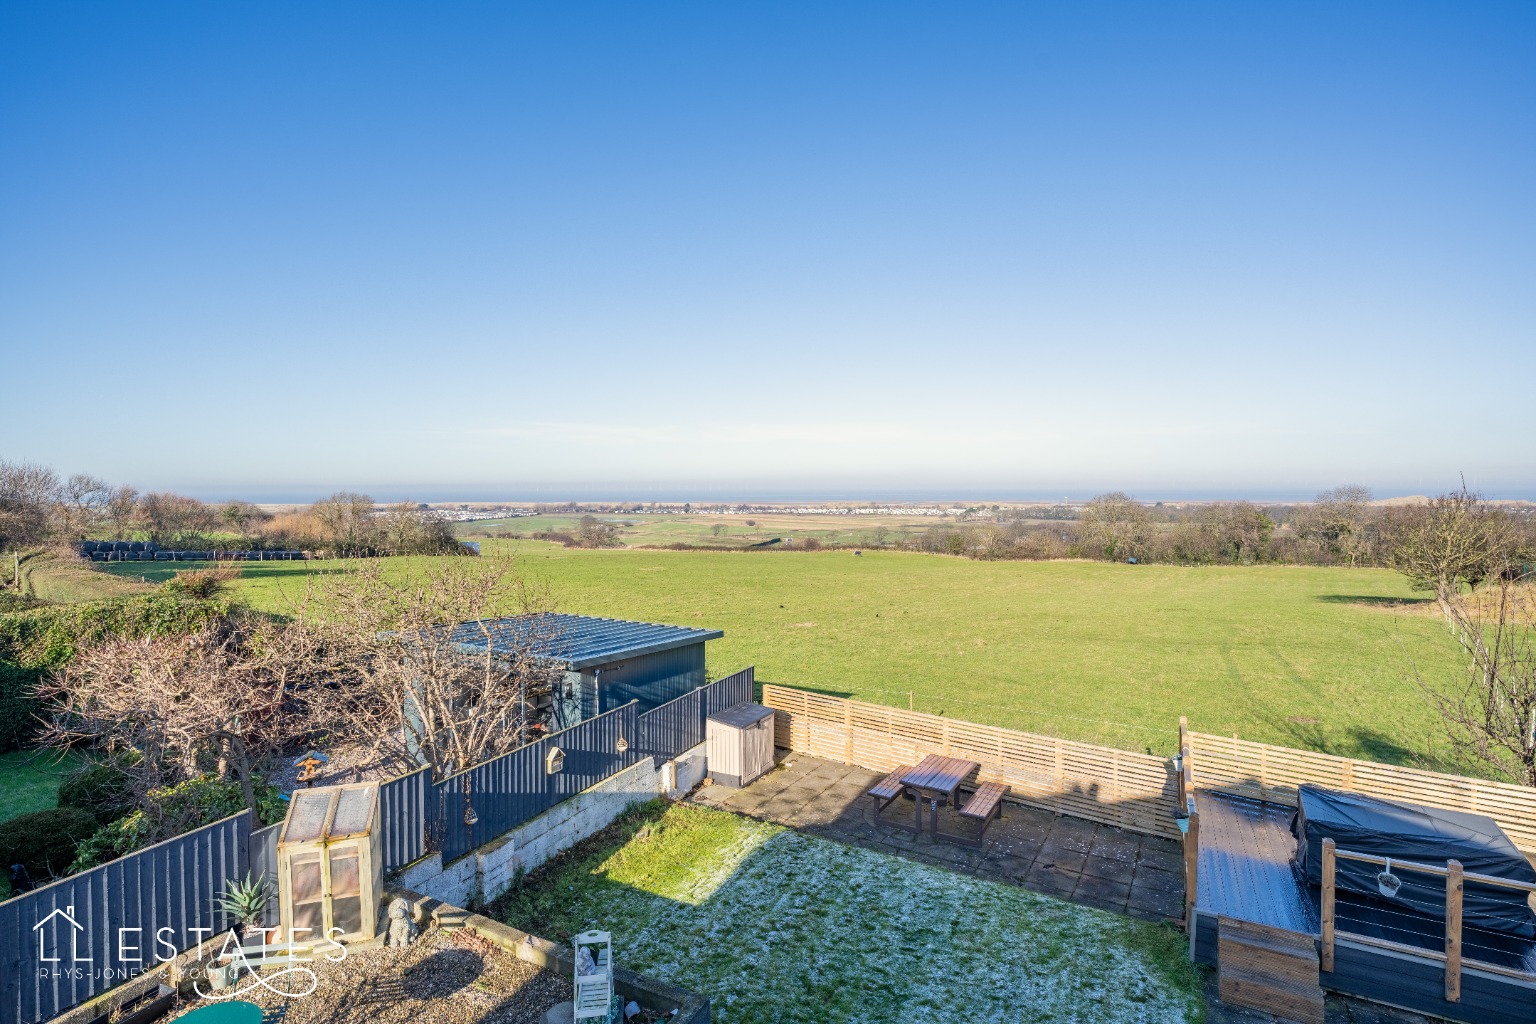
(651, 679)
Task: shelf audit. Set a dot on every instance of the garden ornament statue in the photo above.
(402, 930)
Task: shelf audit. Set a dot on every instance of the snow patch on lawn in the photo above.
(791, 928)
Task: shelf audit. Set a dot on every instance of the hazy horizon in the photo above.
(857, 249)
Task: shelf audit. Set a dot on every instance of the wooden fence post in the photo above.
(1453, 891)
(1329, 866)
(847, 733)
(1191, 866)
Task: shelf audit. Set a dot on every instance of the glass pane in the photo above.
(308, 915)
(305, 871)
(347, 914)
(354, 809)
(344, 876)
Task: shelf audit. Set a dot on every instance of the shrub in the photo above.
(201, 584)
(99, 787)
(199, 801)
(45, 841)
(34, 641)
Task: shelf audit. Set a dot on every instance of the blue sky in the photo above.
(461, 250)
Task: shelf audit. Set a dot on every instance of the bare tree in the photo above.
(122, 510)
(170, 708)
(1339, 521)
(29, 500)
(431, 676)
(592, 532)
(1457, 540)
(347, 518)
(1490, 715)
(83, 498)
(1114, 526)
(169, 518)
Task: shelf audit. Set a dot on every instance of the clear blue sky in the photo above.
(456, 249)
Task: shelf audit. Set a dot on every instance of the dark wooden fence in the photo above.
(477, 805)
(678, 725)
(469, 809)
(65, 943)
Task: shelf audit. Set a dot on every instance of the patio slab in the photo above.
(1078, 860)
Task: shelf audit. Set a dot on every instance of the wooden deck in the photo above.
(1244, 873)
(1245, 864)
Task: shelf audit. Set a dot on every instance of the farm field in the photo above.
(777, 926)
(640, 530)
(1317, 658)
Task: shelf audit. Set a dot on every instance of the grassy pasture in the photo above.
(644, 529)
(1318, 658)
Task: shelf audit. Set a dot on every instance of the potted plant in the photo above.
(246, 901)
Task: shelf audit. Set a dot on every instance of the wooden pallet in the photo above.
(1270, 969)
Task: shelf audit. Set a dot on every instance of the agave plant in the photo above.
(246, 900)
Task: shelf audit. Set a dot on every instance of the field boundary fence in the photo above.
(163, 895)
(1133, 791)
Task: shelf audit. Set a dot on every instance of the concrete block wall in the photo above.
(687, 770)
(485, 874)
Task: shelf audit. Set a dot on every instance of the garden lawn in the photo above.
(30, 779)
(777, 926)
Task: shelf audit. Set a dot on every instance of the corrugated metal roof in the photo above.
(581, 641)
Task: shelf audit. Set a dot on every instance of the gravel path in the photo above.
(443, 978)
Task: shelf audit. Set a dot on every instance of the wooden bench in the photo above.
(984, 806)
(888, 788)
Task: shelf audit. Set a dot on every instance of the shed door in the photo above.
(346, 888)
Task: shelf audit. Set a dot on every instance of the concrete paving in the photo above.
(1077, 860)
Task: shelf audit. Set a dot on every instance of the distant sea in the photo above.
(598, 493)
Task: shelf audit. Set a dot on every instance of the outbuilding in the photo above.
(607, 662)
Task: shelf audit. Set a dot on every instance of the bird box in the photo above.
(330, 865)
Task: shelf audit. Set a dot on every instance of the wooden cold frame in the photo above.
(330, 864)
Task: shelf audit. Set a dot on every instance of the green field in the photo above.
(1109, 653)
(739, 531)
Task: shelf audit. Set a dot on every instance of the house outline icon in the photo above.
(68, 914)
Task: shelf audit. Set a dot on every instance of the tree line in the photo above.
(39, 508)
(1342, 527)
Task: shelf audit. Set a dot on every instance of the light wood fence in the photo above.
(1271, 773)
(1132, 791)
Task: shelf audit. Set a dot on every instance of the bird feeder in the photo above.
(330, 865)
(594, 975)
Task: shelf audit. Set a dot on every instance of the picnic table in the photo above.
(937, 777)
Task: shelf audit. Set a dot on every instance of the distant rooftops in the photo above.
(581, 641)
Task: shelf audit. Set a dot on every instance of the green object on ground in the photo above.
(235, 1011)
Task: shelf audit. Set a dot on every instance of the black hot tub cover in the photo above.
(1427, 835)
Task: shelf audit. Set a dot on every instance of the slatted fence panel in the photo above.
(166, 892)
(1272, 773)
(408, 818)
(678, 725)
(1134, 791)
(515, 787)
